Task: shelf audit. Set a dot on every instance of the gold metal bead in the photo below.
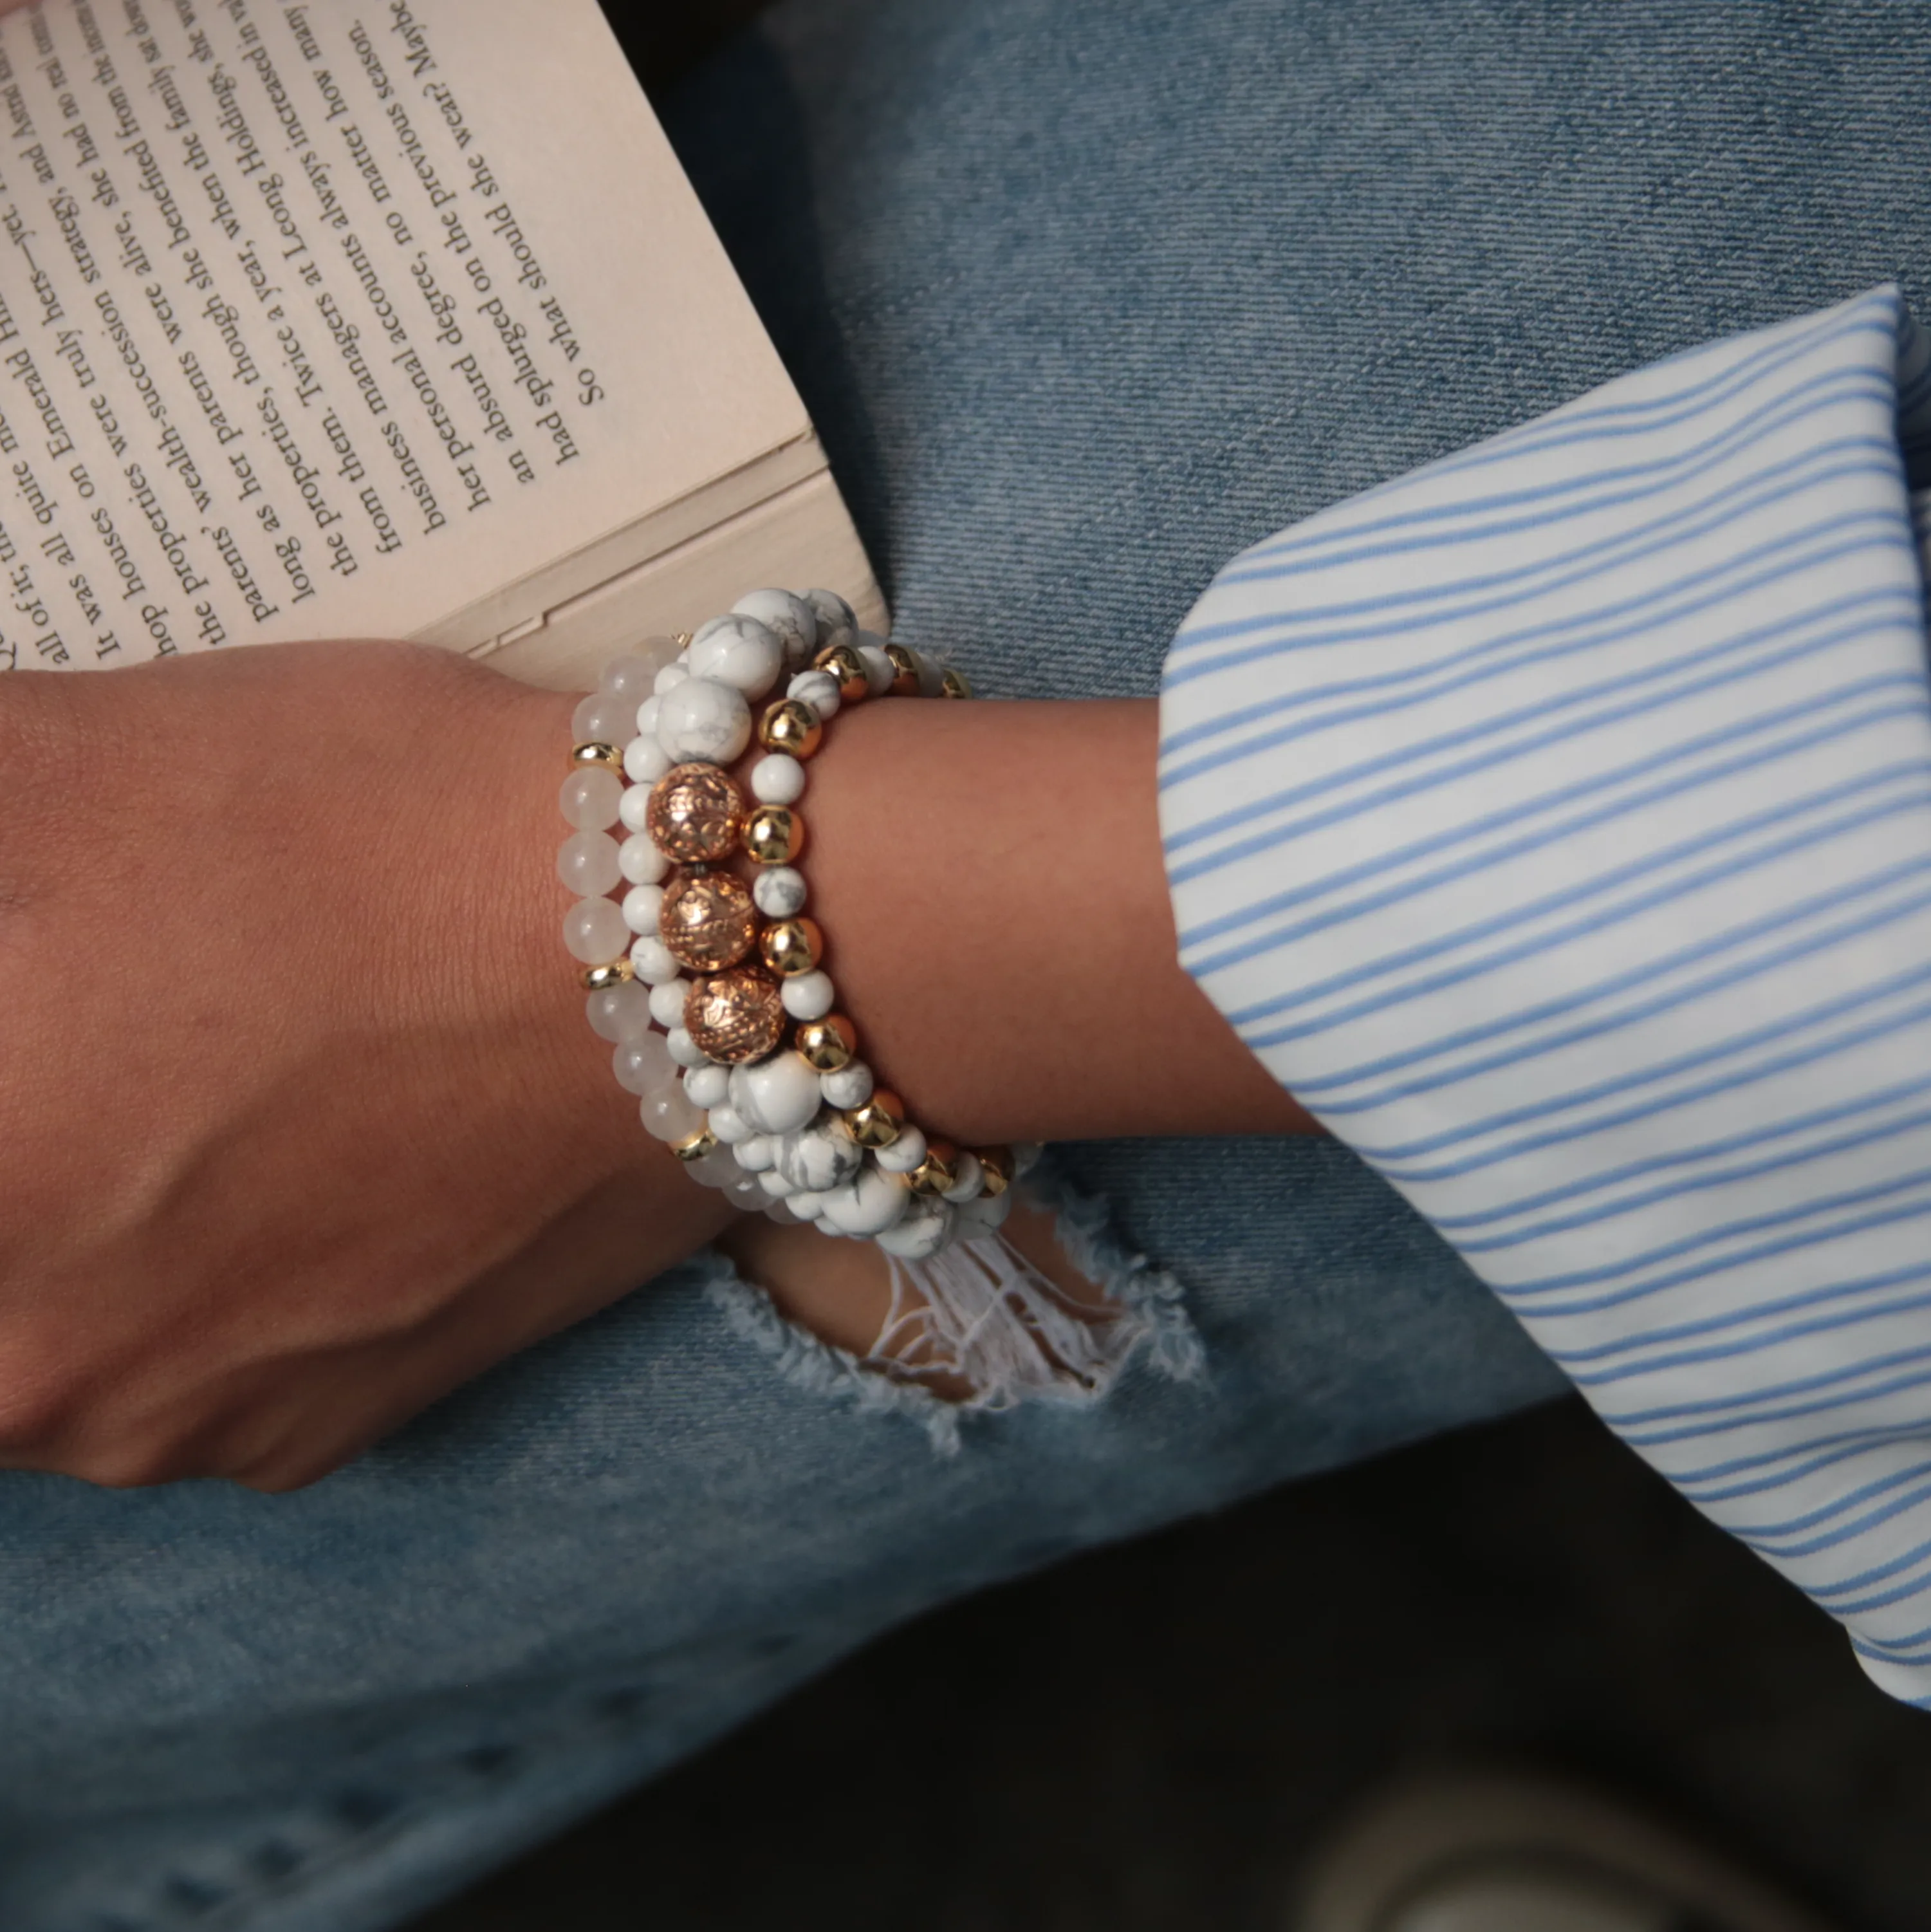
(905, 667)
(774, 835)
(938, 1171)
(707, 921)
(594, 751)
(827, 1044)
(694, 1147)
(682, 639)
(594, 979)
(792, 945)
(954, 684)
(695, 815)
(736, 1016)
(876, 1124)
(791, 725)
(842, 664)
(995, 1167)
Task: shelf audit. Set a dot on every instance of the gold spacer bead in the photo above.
(876, 1124)
(827, 1044)
(694, 1147)
(954, 684)
(996, 1168)
(937, 1171)
(792, 945)
(791, 725)
(774, 835)
(682, 639)
(842, 664)
(594, 752)
(594, 979)
(905, 683)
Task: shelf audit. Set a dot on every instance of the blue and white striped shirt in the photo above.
(1555, 823)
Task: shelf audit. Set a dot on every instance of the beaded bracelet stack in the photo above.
(755, 1079)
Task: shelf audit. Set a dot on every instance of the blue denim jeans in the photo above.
(1085, 295)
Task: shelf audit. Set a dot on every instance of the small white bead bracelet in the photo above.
(752, 1076)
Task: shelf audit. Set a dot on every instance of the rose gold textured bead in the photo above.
(696, 814)
(736, 1016)
(876, 1124)
(938, 1171)
(792, 945)
(846, 668)
(905, 671)
(996, 1166)
(954, 685)
(707, 921)
(827, 1044)
(791, 726)
(774, 835)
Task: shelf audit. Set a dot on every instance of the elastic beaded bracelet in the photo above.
(755, 1080)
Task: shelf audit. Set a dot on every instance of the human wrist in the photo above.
(989, 876)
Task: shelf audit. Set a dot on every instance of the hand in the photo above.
(300, 1124)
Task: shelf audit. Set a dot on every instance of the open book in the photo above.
(361, 318)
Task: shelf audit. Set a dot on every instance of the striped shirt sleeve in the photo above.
(1555, 823)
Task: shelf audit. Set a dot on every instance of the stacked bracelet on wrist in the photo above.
(755, 1080)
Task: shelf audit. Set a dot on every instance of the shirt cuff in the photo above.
(1555, 823)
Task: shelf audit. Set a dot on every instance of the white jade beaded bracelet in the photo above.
(754, 1078)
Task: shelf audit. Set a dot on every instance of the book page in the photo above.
(330, 319)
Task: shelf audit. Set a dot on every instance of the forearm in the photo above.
(989, 878)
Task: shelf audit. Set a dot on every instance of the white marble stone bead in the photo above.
(905, 1153)
(595, 932)
(836, 624)
(634, 814)
(619, 1012)
(650, 959)
(645, 724)
(850, 1086)
(642, 905)
(727, 1124)
(777, 1096)
(667, 1002)
(586, 862)
(793, 620)
(780, 1212)
(804, 1202)
(821, 1155)
(707, 1086)
(601, 719)
(878, 671)
(756, 1155)
(971, 1179)
(593, 797)
(868, 1205)
(644, 761)
(642, 1065)
(704, 720)
(777, 778)
(819, 690)
(667, 1115)
(978, 1219)
(740, 651)
(921, 1231)
(638, 858)
(669, 678)
(807, 996)
(774, 1183)
(779, 893)
(684, 1049)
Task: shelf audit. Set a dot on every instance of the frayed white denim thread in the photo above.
(1148, 1312)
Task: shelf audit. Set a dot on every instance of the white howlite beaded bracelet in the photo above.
(721, 1015)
